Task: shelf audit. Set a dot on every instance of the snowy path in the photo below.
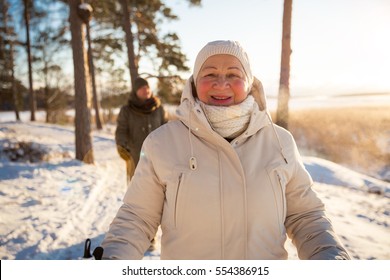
(52, 206)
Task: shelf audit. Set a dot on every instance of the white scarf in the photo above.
(229, 121)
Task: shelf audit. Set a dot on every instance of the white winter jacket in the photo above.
(217, 199)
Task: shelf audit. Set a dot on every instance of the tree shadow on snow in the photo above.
(15, 169)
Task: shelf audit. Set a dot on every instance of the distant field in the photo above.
(358, 137)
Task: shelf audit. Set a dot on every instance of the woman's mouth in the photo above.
(220, 97)
(221, 100)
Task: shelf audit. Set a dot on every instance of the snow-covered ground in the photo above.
(48, 208)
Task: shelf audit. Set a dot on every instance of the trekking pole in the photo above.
(97, 253)
(87, 250)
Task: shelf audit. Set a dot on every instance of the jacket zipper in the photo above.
(177, 197)
(281, 223)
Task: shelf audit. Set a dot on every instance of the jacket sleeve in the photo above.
(137, 220)
(306, 223)
(121, 132)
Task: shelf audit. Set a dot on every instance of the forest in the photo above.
(99, 34)
(38, 33)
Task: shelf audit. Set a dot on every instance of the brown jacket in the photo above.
(221, 200)
(132, 129)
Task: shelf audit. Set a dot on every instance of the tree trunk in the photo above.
(10, 62)
(47, 105)
(84, 149)
(284, 87)
(46, 89)
(14, 93)
(33, 102)
(129, 41)
(92, 74)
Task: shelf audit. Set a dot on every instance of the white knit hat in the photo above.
(233, 48)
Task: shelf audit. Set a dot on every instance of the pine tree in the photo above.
(140, 21)
(28, 5)
(284, 87)
(162, 50)
(85, 12)
(84, 150)
(7, 40)
(48, 42)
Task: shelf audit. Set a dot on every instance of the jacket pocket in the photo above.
(172, 199)
(278, 183)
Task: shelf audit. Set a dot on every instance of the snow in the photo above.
(48, 208)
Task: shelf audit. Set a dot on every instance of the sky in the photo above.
(338, 46)
(50, 207)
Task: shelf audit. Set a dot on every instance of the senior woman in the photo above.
(223, 181)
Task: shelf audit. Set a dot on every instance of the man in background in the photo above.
(141, 115)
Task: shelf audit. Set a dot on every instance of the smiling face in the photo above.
(222, 81)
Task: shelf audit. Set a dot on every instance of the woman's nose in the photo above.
(221, 82)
